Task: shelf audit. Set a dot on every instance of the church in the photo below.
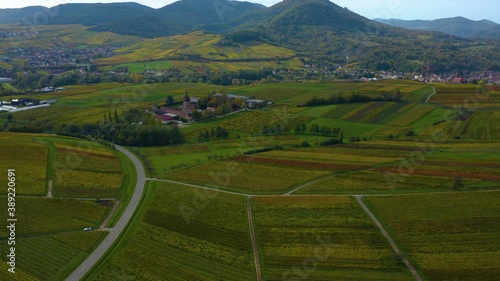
(189, 104)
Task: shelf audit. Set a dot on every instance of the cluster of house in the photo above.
(491, 77)
(49, 89)
(190, 104)
(60, 56)
(11, 34)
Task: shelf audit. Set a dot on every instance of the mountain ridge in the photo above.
(314, 28)
(458, 26)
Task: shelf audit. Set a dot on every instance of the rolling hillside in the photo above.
(457, 26)
(314, 28)
(49, 36)
(198, 48)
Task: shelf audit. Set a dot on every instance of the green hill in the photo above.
(457, 26)
(322, 28)
(314, 28)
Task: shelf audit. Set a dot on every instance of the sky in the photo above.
(400, 9)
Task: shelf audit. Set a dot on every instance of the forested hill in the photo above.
(458, 26)
(329, 31)
(316, 28)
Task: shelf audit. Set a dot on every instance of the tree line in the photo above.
(353, 98)
(132, 128)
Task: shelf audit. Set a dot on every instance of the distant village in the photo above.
(195, 108)
(58, 60)
(61, 56)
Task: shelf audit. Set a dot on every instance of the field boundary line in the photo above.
(388, 237)
(202, 187)
(302, 186)
(254, 239)
(430, 96)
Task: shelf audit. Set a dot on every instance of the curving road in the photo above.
(115, 231)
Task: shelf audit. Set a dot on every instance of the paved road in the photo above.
(396, 249)
(115, 232)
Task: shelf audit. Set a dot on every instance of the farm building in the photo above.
(5, 80)
(252, 103)
(189, 104)
(166, 119)
(7, 108)
(177, 112)
(50, 101)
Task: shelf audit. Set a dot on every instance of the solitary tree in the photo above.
(170, 100)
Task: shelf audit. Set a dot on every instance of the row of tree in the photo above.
(133, 128)
(353, 98)
(214, 134)
(301, 128)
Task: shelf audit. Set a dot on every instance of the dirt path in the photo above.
(388, 237)
(300, 187)
(103, 225)
(430, 96)
(201, 187)
(254, 240)
(49, 193)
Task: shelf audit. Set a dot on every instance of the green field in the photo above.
(429, 172)
(66, 252)
(321, 238)
(30, 162)
(85, 169)
(44, 216)
(50, 241)
(242, 175)
(448, 236)
(8, 86)
(188, 235)
(49, 36)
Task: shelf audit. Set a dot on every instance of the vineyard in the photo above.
(243, 175)
(482, 125)
(390, 150)
(85, 169)
(330, 155)
(30, 162)
(331, 235)
(185, 241)
(43, 215)
(466, 96)
(66, 250)
(373, 181)
(447, 235)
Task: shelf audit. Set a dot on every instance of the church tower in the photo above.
(186, 101)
